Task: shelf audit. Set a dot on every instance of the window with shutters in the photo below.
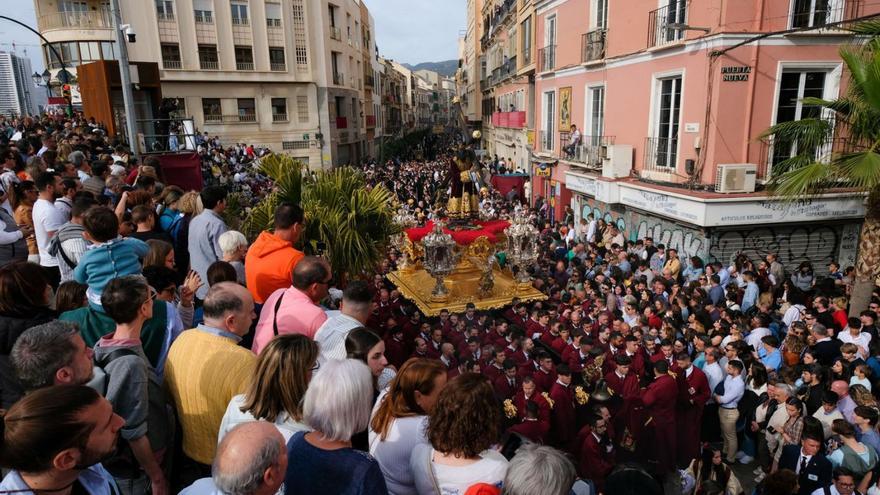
(273, 15)
(302, 109)
(299, 34)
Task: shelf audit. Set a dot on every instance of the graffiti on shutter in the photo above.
(818, 244)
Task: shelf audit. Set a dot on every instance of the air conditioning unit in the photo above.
(736, 178)
(617, 160)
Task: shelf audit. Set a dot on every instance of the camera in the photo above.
(129, 32)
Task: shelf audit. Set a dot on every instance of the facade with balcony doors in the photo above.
(508, 83)
(667, 120)
(275, 73)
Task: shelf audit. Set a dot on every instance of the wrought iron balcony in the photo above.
(593, 45)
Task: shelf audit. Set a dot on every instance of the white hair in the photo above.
(339, 399)
(231, 240)
(539, 469)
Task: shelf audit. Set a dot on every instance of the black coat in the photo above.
(816, 475)
(827, 351)
(11, 327)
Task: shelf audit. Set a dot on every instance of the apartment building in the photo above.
(288, 74)
(393, 99)
(508, 84)
(669, 99)
(471, 66)
(17, 91)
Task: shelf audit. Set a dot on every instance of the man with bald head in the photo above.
(295, 309)
(251, 460)
(845, 404)
(206, 367)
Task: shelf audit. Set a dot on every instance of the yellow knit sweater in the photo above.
(203, 372)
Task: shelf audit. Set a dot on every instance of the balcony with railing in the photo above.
(341, 123)
(279, 117)
(775, 152)
(661, 154)
(230, 119)
(338, 79)
(665, 24)
(171, 64)
(101, 19)
(593, 45)
(209, 64)
(371, 121)
(510, 120)
(165, 16)
(805, 15)
(547, 58)
(204, 17)
(335, 33)
(241, 21)
(278, 66)
(587, 151)
(247, 66)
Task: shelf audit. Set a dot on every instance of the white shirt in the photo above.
(455, 480)
(234, 417)
(331, 337)
(755, 336)
(862, 340)
(394, 452)
(794, 313)
(47, 219)
(832, 490)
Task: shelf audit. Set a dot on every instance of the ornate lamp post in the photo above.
(522, 248)
(440, 259)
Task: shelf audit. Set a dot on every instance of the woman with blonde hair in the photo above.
(284, 370)
(190, 205)
(400, 419)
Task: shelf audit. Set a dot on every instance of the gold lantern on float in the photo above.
(522, 248)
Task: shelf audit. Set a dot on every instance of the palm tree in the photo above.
(345, 221)
(850, 126)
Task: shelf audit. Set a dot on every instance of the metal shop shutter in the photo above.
(817, 243)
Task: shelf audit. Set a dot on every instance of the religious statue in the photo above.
(465, 179)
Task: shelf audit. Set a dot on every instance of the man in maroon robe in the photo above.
(660, 400)
(692, 397)
(626, 396)
(596, 458)
(562, 417)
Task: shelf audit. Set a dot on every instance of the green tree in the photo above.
(850, 127)
(345, 221)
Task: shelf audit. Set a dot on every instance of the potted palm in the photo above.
(346, 221)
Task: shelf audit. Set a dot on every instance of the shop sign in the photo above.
(581, 184)
(543, 170)
(746, 212)
(663, 204)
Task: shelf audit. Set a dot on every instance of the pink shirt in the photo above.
(296, 315)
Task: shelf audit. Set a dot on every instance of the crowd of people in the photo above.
(149, 348)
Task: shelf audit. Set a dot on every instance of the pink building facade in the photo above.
(669, 98)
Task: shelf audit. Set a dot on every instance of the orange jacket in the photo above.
(269, 264)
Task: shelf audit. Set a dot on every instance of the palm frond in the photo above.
(802, 182)
(806, 132)
(860, 170)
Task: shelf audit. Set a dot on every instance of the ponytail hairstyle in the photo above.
(44, 423)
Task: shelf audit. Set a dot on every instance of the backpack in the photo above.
(99, 379)
(160, 416)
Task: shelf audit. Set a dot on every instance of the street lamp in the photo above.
(43, 80)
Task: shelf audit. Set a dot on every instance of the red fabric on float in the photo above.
(490, 229)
